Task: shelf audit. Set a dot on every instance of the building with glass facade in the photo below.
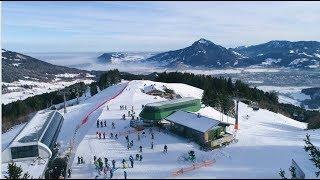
(36, 139)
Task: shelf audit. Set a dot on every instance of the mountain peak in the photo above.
(203, 41)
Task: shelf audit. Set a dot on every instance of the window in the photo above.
(24, 151)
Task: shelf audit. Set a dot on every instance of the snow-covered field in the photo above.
(21, 93)
(266, 141)
(288, 94)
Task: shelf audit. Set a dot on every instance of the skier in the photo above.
(104, 135)
(116, 136)
(124, 117)
(131, 143)
(165, 148)
(125, 107)
(94, 158)
(138, 136)
(111, 173)
(105, 123)
(123, 163)
(152, 136)
(137, 157)
(97, 123)
(128, 113)
(69, 173)
(127, 138)
(79, 160)
(140, 147)
(101, 124)
(99, 135)
(106, 161)
(128, 146)
(113, 125)
(151, 145)
(111, 135)
(131, 161)
(140, 157)
(125, 174)
(114, 164)
(143, 134)
(108, 107)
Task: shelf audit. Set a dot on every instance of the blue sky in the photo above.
(152, 26)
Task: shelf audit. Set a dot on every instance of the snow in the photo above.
(267, 141)
(37, 88)
(67, 75)
(316, 55)
(297, 61)
(153, 87)
(89, 75)
(35, 169)
(288, 94)
(16, 64)
(191, 120)
(269, 61)
(8, 136)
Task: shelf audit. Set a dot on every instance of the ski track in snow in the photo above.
(266, 141)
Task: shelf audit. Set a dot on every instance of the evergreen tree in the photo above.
(15, 172)
(314, 153)
(282, 174)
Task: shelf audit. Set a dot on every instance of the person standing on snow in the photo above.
(106, 161)
(125, 174)
(131, 161)
(165, 149)
(151, 145)
(97, 123)
(140, 148)
(114, 164)
(140, 157)
(101, 124)
(105, 123)
(104, 135)
(137, 157)
(152, 135)
(131, 143)
(116, 136)
(112, 125)
(94, 158)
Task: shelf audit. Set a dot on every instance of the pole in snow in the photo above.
(236, 125)
(64, 99)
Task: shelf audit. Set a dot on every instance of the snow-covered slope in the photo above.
(266, 141)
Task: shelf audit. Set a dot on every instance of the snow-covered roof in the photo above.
(192, 121)
(153, 87)
(168, 102)
(35, 128)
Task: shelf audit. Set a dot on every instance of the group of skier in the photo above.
(101, 123)
(80, 160)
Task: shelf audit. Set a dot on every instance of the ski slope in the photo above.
(267, 141)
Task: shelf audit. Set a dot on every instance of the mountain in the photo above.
(204, 53)
(17, 66)
(200, 53)
(300, 54)
(118, 57)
